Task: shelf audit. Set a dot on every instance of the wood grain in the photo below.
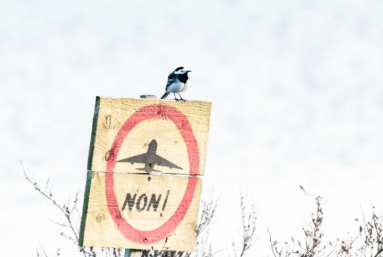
(113, 113)
(102, 231)
(127, 207)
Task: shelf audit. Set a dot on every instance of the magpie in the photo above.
(178, 81)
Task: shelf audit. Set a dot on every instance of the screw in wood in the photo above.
(109, 121)
(107, 156)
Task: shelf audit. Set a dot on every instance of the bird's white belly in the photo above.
(186, 86)
(176, 87)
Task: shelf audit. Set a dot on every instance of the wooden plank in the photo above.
(133, 200)
(143, 212)
(168, 126)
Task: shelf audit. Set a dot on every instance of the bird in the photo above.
(178, 81)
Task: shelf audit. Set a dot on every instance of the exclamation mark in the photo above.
(166, 200)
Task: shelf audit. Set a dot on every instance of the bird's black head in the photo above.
(181, 70)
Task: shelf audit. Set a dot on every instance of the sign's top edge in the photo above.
(150, 99)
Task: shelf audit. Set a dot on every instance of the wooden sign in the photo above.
(143, 185)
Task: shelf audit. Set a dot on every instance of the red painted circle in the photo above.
(184, 127)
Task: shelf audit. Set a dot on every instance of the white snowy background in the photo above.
(296, 87)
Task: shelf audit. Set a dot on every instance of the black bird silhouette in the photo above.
(150, 158)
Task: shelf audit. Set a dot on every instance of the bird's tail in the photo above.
(165, 95)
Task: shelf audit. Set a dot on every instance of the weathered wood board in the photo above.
(142, 187)
(147, 210)
(154, 122)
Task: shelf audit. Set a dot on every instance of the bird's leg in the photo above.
(175, 98)
(181, 97)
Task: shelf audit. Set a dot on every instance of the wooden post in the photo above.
(133, 252)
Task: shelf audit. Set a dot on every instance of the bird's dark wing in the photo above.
(171, 78)
(135, 159)
(158, 160)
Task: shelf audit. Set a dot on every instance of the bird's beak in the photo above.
(188, 71)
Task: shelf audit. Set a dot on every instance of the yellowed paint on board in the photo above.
(149, 209)
(113, 113)
(144, 215)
